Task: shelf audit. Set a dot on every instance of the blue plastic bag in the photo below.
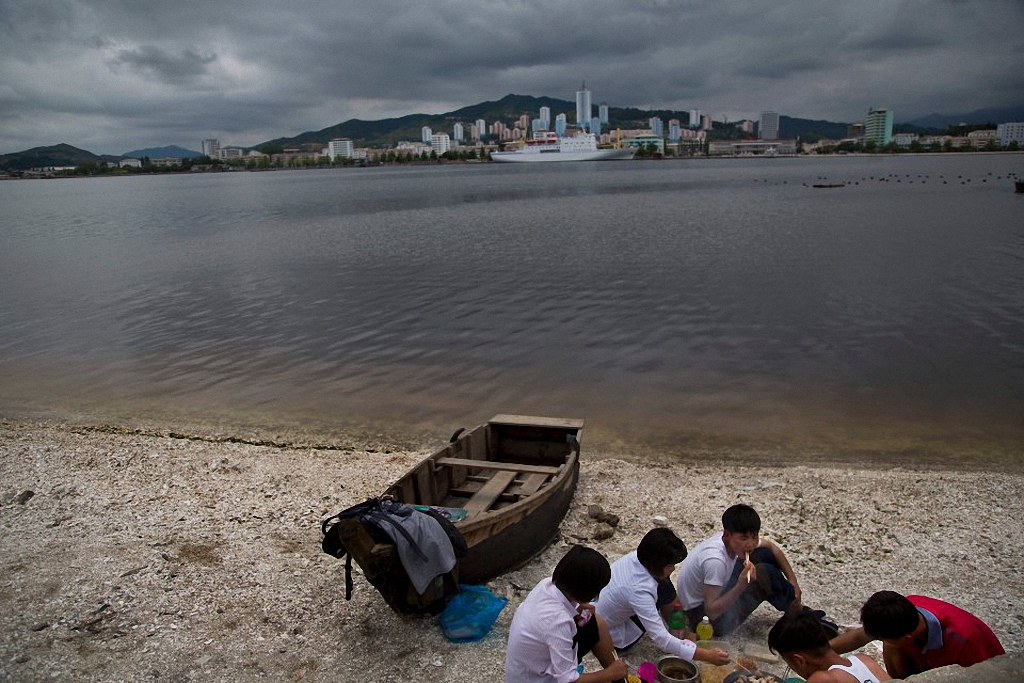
(470, 614)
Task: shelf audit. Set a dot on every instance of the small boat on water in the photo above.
(1018, 186)
(552, 147)
(505, 485)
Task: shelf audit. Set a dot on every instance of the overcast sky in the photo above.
(115, 75)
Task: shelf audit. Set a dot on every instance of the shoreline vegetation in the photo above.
(132, 553)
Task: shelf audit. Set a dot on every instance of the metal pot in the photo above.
(672, 669)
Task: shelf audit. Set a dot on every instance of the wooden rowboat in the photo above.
(506, 485)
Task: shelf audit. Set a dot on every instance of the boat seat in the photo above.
(483, 499)
(495, 465)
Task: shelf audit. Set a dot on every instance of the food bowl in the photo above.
(672, 669)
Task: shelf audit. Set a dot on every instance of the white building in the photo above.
(705, 122)
(1010, 132)
(440, 143)
(129, 163)
(340, 147)
(457, 133)
(481, 127)
(230, 153)
(545, 117)
(769, 125)
(904, 139)
(211, 148)
(695, 118)
(426, 134)
(602, 113)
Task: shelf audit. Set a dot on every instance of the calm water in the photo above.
(680, 307)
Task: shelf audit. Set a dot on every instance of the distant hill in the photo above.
(172, 151)
(978, 116)
(386, 132)
(54, 155)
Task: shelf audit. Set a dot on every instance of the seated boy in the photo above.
(800, 639)
(639, 588)
(920, 633)
(556, 626)
(728, 575)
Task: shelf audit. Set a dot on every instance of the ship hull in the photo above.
(546, 157)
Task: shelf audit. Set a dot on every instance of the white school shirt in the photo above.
(709, 564)
(632, 590)
(540, 648)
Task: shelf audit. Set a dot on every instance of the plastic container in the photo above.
(677, 617)
(705, 631)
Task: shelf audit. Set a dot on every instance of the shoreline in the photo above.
(143, 556)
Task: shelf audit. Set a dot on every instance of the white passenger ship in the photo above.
(550, 147)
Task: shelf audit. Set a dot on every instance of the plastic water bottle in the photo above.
(677, 618)
(705, 631)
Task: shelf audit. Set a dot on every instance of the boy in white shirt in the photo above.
(556, 626)
(728, 575)
(639, 588)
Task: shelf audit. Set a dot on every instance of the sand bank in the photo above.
(145, 557)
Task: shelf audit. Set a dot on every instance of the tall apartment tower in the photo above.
(560, 124)
(695, 118)
(657, 126)
(673, 130)
(426, 134)
(457, 132)
(602, 113)
(211, 148)
(340, 147)
(583, 108)
(769, 129)
(481, 127)
(545, 117)
(878, 127)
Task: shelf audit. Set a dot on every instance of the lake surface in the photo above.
(692, 308)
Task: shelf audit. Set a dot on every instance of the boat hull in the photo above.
(548, 157)
(506, 485)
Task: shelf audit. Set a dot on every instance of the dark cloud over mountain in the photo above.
(115, 74)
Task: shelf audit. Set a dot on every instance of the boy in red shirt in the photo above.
(920, 633)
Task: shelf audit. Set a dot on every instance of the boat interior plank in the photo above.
(501, 466)
(489, 492)
(531, 484)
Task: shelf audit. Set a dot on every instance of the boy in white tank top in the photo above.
(799, 639)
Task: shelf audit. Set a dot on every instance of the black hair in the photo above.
(741, 519)
(659, 548)
(888, 615)
(581, 573)
(798, 631)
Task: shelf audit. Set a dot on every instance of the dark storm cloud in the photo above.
(110, 75)
(179, 68)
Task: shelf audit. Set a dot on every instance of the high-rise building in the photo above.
(695, 118)
(602, 113)
(457, 132)
(561, 124)
(1012, 131)
(855, 130)
(440, 143)
(583, 108)
(673, 130)
(545, 117)
(769, 129)
(878, 127)
(426, 134)
(340, 147)
(595, 125)
(705, 122)
(211, 148)
(657, 127)
(481, 127)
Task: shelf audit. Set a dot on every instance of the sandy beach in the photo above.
(145, 557)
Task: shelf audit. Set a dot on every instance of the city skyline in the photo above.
(116, 76)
